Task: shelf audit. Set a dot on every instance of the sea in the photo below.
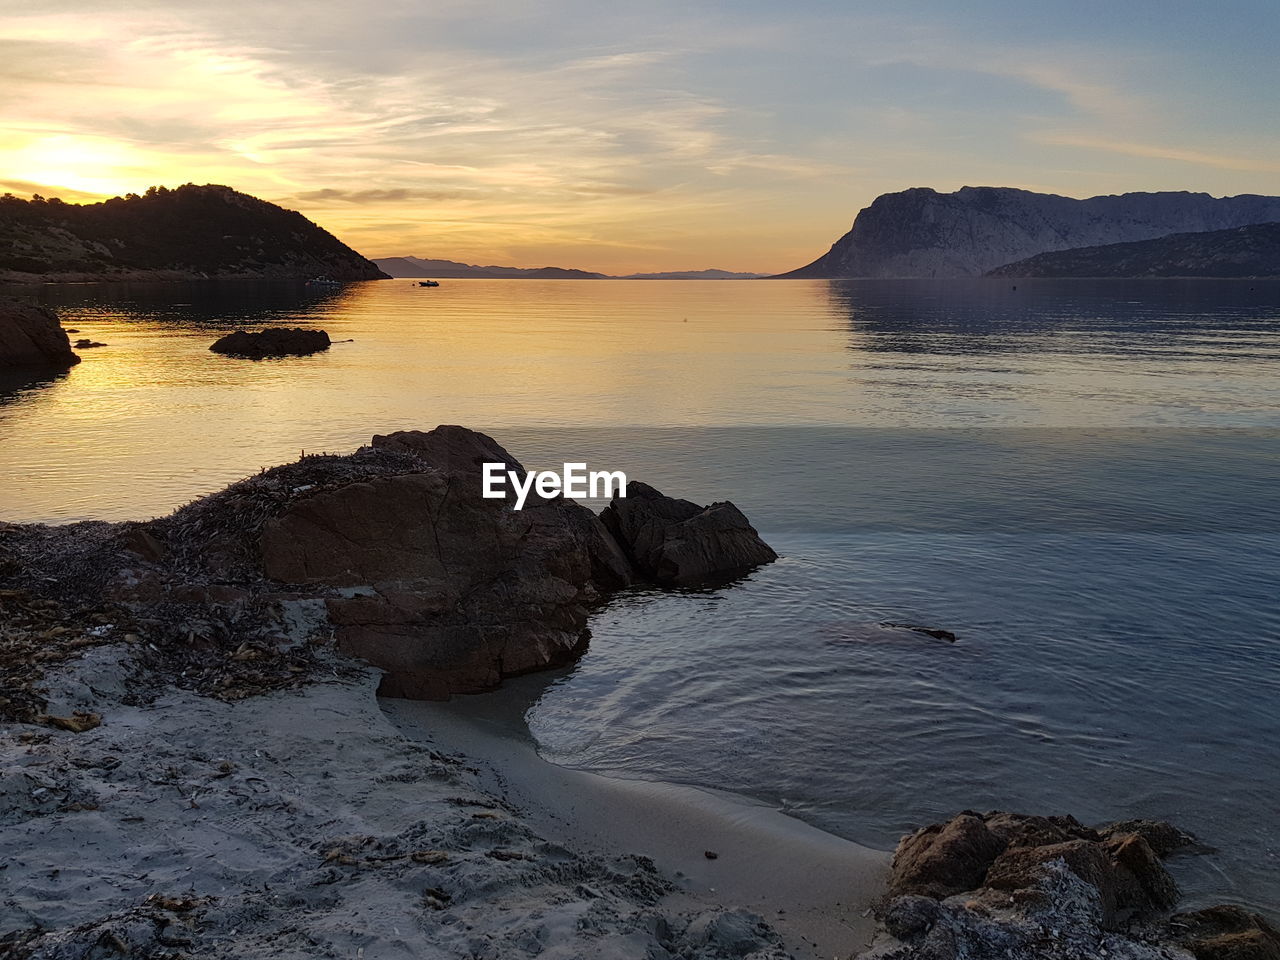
(1078, 479)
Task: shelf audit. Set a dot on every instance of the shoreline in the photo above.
(813, 887)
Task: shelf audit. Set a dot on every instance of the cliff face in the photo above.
(923, 233)
(1252, 251)
(187, 233)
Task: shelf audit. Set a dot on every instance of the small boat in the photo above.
(428, 283)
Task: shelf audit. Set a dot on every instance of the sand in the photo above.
(306, 823)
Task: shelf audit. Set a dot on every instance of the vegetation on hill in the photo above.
(188, 232)
(1252, 251)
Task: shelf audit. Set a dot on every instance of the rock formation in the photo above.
(272, 342)
(391, 550)
(678, 543)
(923, 233)
(31, 336)
(1252, 251)
(1025, 887)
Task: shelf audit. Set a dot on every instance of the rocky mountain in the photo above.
(452, 269)
(923, 233)
(1252, 251)
(190, 232)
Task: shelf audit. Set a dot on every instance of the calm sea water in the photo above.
(1079, 479)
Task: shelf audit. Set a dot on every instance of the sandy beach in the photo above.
(310, 823)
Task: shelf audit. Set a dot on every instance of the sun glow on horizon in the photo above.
(626, 141)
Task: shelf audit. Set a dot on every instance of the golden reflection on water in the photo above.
(154, 418)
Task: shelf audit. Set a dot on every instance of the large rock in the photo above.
(944, 859)
(678, 543)
(31, 336)
(1226, 933)
(272, 342)
(445, 590)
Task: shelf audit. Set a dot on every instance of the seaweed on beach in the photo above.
(219, 533)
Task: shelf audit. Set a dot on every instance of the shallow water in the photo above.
(1076, 478)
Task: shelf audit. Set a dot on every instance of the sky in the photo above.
(629, 137)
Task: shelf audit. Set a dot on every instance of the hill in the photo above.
(1252, 251)
(451, 269)
(923, 233)
(190, 232)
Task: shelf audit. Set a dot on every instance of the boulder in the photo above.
(944, 859)
(1226, 933)
(443, 589)
(272, 342)
(30, 336)
(678, 543)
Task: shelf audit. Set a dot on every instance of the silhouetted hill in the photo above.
(923, 233)
(451, 269)
(185, 233)
(1252, 251)
(446, 269)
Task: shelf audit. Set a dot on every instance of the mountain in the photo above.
(694, 275)
(1252, 251)
(446, 269)
(923, 233)
(190, 232)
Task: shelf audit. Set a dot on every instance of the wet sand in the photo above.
(813, 887)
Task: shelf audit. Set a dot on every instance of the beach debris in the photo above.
(78, 722)
(433, 898)
(499, 853)
(428, 856)
(710, 854)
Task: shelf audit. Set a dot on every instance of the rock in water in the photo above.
(678, 543)
(1226, 933)
(31, 336)
(273, 342)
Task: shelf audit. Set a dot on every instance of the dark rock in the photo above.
(1226, 933)
(87, 344)
(1163, 838)
(678, 543)
(447, 591)
(936, 633)
(272, 342)
(944, 859)
(31, 336)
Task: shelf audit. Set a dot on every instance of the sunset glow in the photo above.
(668, 138)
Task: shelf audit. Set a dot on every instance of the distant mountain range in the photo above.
(1252, 251)
(451, 269)
(923, 233)
(190, 232)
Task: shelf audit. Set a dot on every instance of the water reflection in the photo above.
(18, 385)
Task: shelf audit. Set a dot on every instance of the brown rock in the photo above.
(1226, 933)
(1163, 838)
(944, 859)
(31, 336)
(676, 542)
(1144, 885)
(445, 590)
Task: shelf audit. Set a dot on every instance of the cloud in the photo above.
(1156, 151)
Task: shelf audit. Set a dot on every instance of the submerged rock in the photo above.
(87, 344)
(272, 342)
(678, 543)
(31, 336)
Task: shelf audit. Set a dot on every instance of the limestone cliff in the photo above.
(923, 233)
